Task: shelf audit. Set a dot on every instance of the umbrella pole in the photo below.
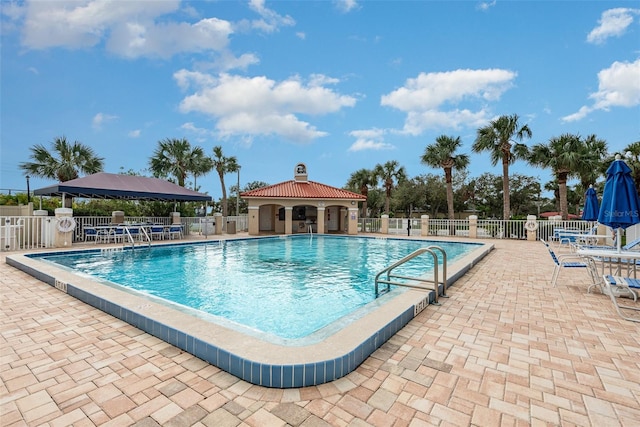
(619, 240)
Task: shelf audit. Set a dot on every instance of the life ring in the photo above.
(531, 225)
(66, 224)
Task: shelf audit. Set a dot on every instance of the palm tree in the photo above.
(174, 157)
(442, 154)
(498, 138)
(390, 173)
(202, 165)
(563, 155)
(64, 162)
(223, 165)
(360, 181)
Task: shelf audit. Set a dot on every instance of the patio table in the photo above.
(611, 257)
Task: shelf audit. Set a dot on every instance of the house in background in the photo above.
(302, 206)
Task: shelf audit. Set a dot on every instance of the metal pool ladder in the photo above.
(389, 280)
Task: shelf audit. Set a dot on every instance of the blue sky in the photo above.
(338, 85)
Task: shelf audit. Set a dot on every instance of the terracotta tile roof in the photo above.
(302, 190)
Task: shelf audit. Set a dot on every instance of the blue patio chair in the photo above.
(134, 232)
(175, 231)
(156, 232)
(568, 261)
(117, 234)
(618, 286)
(90, 233)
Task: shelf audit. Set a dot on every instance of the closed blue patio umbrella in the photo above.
(620, 205)
(591, 205)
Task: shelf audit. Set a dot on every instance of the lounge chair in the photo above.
(569, 261)
(618, 286)
(571, 237)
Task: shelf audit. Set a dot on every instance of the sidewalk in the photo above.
(505, 349)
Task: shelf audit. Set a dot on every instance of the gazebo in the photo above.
(128, 187)
(302, 206)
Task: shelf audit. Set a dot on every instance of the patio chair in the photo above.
(175, 231)
(618, 286)
(156, 232)
(90, 233)
(567, 261)
(117, 234)
(135, 233)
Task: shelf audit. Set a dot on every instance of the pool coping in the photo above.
(250, 358)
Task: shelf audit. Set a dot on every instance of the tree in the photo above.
(563, 155)
(174, 158)
(202, 165)
(498, 138)
(592, 166)
(390, 173)
(223, 165)
(360, 181)
(442, 154)
(65, 162)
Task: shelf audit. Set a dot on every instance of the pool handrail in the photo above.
(444, 269)
(407, 258)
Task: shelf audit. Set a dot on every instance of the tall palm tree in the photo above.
(360, 181)
(202, 165)
(443, 154)
(174, 158)
(65, 161)
(390, 173)
(223, 165)
(563, 155)
(500, 138)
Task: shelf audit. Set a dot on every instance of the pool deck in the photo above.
(505, 349)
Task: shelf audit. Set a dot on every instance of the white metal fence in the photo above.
(30, 232)
(486, 228)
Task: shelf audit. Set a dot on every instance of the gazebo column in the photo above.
(254, 220)
(288, 219)
(320, 220)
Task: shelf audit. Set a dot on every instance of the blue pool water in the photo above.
(286, 287)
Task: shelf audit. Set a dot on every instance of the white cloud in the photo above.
(369, 139)
(134, 133)
(134, 39)
(618, 86)
(131, 29)
(613, 23)
(100, 119)
(190, 127)
(426, 97)
(346, 6)
(270, 21)
(301, 35)
(260, 106)
(486, 5)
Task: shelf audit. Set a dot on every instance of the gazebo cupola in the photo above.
(300, 174)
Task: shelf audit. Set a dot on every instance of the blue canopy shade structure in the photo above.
(620, 203)
(127, 187)
(591, 205)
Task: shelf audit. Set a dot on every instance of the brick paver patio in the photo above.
(505, 349)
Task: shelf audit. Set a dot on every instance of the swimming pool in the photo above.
(341, 346)
(282, 287)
